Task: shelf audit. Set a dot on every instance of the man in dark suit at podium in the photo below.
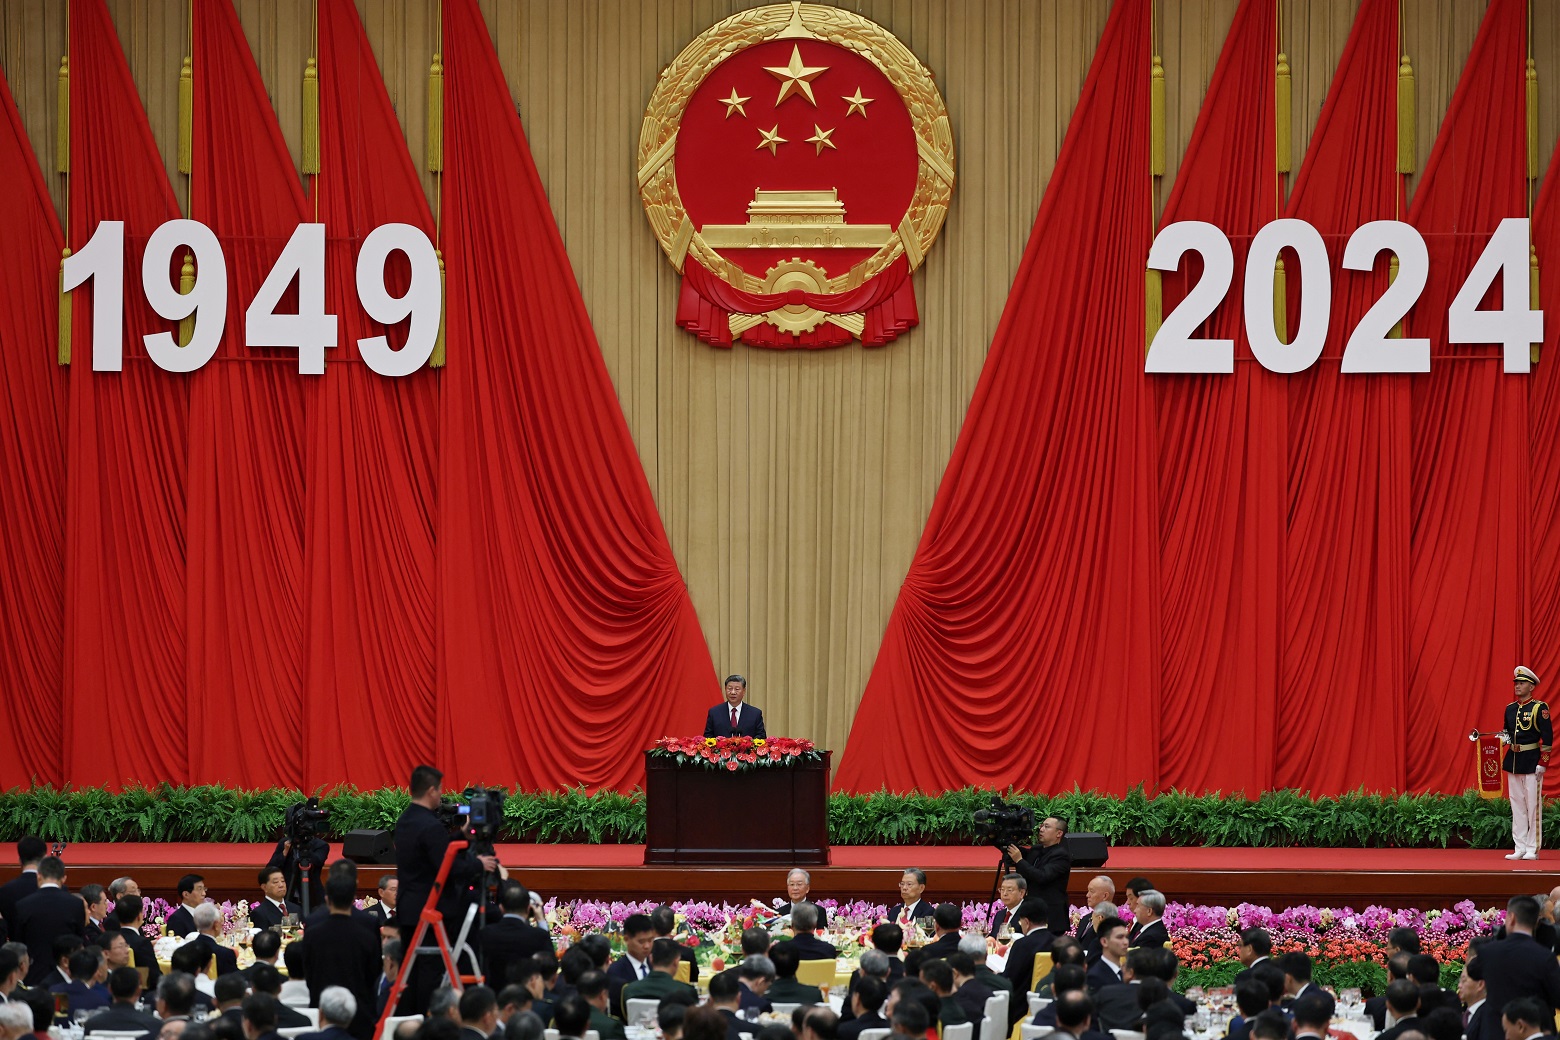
(734, 718)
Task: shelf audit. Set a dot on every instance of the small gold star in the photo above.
(796, 77)
(771, 139)
(857, 103)
(734, 104)
(820, 138)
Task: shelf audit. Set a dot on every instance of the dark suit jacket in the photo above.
(788, 991)
(505, 943)
(1020, 968)
(1047, 871)
(420, 841)
(972, 997)
(811, 948)
(144, 955)
(940, 947)
(921, 909)
(1154, 934)
(1100, 976)
(749, 999)
(750, 722)
(385, 916)
(180, 923)
(658, 985)
(997, 983)
(823, 913)
(852, 1029)
(1088, 938)
(619, 974)
(1403, 1026)
(1116, 1006)
(152, 1035)
(1375, 1008)
(328, 1033)
(736, 1027)
(266, 915)
(82, 997)
(122, 1018)
(1475, 1023)
(227, 960)
(338, 952)
(13, 892)
(41, 918)
(1001, 920)
(1515, 967)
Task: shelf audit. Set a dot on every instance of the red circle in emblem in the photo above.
(865, 153)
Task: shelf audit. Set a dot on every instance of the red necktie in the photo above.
(733, 718)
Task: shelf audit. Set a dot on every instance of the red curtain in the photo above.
(125, 497)
(1346, 546)
(567, 640)
(32, 464)
(246, 443)
(1023, 646)
(1544, 427)
(1470, 487)
(372, 453)
(1221, 456)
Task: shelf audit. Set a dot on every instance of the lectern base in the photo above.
(704, 817)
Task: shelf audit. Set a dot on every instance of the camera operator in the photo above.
(420, 840)
(301, 838)
(1046, 868)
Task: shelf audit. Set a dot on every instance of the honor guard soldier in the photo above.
(1529, 736)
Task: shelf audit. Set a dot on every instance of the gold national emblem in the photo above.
(796, 165)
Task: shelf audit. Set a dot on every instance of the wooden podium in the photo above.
(706, 817)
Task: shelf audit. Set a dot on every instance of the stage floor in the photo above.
(1274, 877)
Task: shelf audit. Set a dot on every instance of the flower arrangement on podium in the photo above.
(736, 754)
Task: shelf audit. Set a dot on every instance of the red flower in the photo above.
(731, 766)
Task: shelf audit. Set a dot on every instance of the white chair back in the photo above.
(786, 1009)
(312, 1014)
(1126, 1034)
(962, 1031)
(642, 1011)
(1034, 1032)
(1037, 1002)
(873, 1034)
(395, 1020)
(292, 1031)
(995, 1025)
(113, 1034)
(550, 1034)
(591, 1034)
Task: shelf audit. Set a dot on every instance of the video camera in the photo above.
(479, 819)
(305, 821)
(1003, 824)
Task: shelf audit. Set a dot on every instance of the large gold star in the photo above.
(734, 104)
(796, 77)
(771, 139)
(857, 103)
(820, 138)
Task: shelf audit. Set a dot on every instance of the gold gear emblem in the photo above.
(796, 274)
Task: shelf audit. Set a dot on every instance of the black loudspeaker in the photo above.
(369, 847)
(1088, 850)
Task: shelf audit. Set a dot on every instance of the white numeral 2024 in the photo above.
(308, 331)
(1370, 348)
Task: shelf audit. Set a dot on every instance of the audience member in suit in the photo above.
(1162, 1020)
(1101, 890)
(364, 919)
(44, 916)
(131, 911)
(96, 898)
(85, 990)
(1069, 978)
(1256, 946)
(733, 717)
(1103, 911)
(207, 918)
(512, 938)
(1442, 1023)
(273, 905)
(911, 907)
(1312, 1014)
(638, 934)
(269, 982)
(384, 909)
(969, 991)
(122, 1015)
(1402, 1008)
(1297, 976)
(227, 997)
(909, 1020)
(1251, 998)
(571, 1017)
(1010, 892)
(194, 959)
(338, 1009)
(754, 976)
(1151, 926)
(267, 948)
(798, 884)
(1136, 887)
(874, 963)
(29, 851)
(1470, 990)
(786, 989)
(947, 923)
(1020, 967)
(1516, 967)
(1113, 955)
(478, 1013)
(1272, 1024)
(664, 920)
(175, 1000)
(63, 948)
(973, 946)
(938, 977)
(283, 858)
(191, 893)
(593, 987)
(808, 947)
(261, 1019)
(725, 999)
(1047, 867)
(660, 984)
(1075, 1016)
(338, 952)
(866, 1000)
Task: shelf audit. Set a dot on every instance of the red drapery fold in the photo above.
(1221, 456)
(32, 464)
(1470, 503)
(372, 454)
(1346, 560)
(567, 640)
(1025, 628)
(125, 581)
(1544, 424)
(246, 457)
